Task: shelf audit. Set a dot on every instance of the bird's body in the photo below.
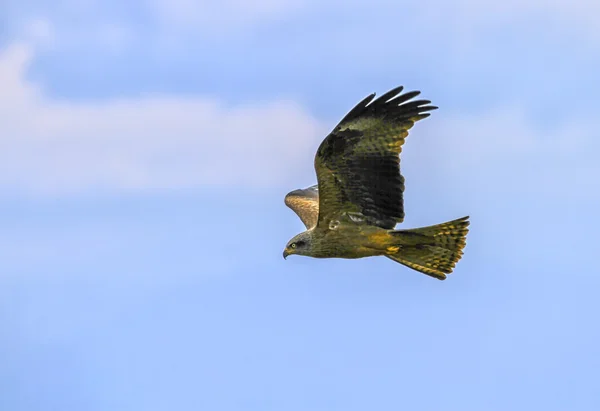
(349, 240)
(358, 201)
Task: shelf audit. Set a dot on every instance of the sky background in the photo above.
(146, 148)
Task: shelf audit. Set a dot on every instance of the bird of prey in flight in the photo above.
(352, 211)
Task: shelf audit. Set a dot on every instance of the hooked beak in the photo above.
(285, 254)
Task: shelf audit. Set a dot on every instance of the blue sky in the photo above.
(146, 150)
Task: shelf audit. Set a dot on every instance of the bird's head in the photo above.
(300, 244)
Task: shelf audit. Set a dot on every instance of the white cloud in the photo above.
(160, 142)
(221, 16)
(177, 26)
(39, 31)
(504, 152)
(148, 142)
(565, 8)
(533, 16)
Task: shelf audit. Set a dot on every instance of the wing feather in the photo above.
(305, 203)
(358, 163)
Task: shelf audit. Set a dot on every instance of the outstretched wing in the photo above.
(358, 163)
(305, 203)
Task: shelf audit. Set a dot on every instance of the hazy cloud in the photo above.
(142, 143)
(222, 16)
(159, 141)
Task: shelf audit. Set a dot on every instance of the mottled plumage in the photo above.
(358, 201)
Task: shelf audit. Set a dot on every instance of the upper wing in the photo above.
(305, 203)
(358, 163)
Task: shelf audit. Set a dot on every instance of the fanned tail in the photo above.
(432, 250)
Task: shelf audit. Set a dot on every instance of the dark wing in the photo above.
(358, 163)
(305, 203)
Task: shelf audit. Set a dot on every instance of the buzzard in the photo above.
(352, 211)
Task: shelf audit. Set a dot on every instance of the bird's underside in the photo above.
(352, 211)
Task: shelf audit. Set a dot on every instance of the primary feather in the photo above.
(358, 163)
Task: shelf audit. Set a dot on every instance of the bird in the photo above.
(358, 200)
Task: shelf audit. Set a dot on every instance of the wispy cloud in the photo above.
(504, 152)
(223, 16)
(159, 142)
(147, 142)
(460, 15)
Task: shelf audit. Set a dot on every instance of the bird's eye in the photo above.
(293, 245)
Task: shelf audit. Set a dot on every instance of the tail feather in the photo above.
(432, 250)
